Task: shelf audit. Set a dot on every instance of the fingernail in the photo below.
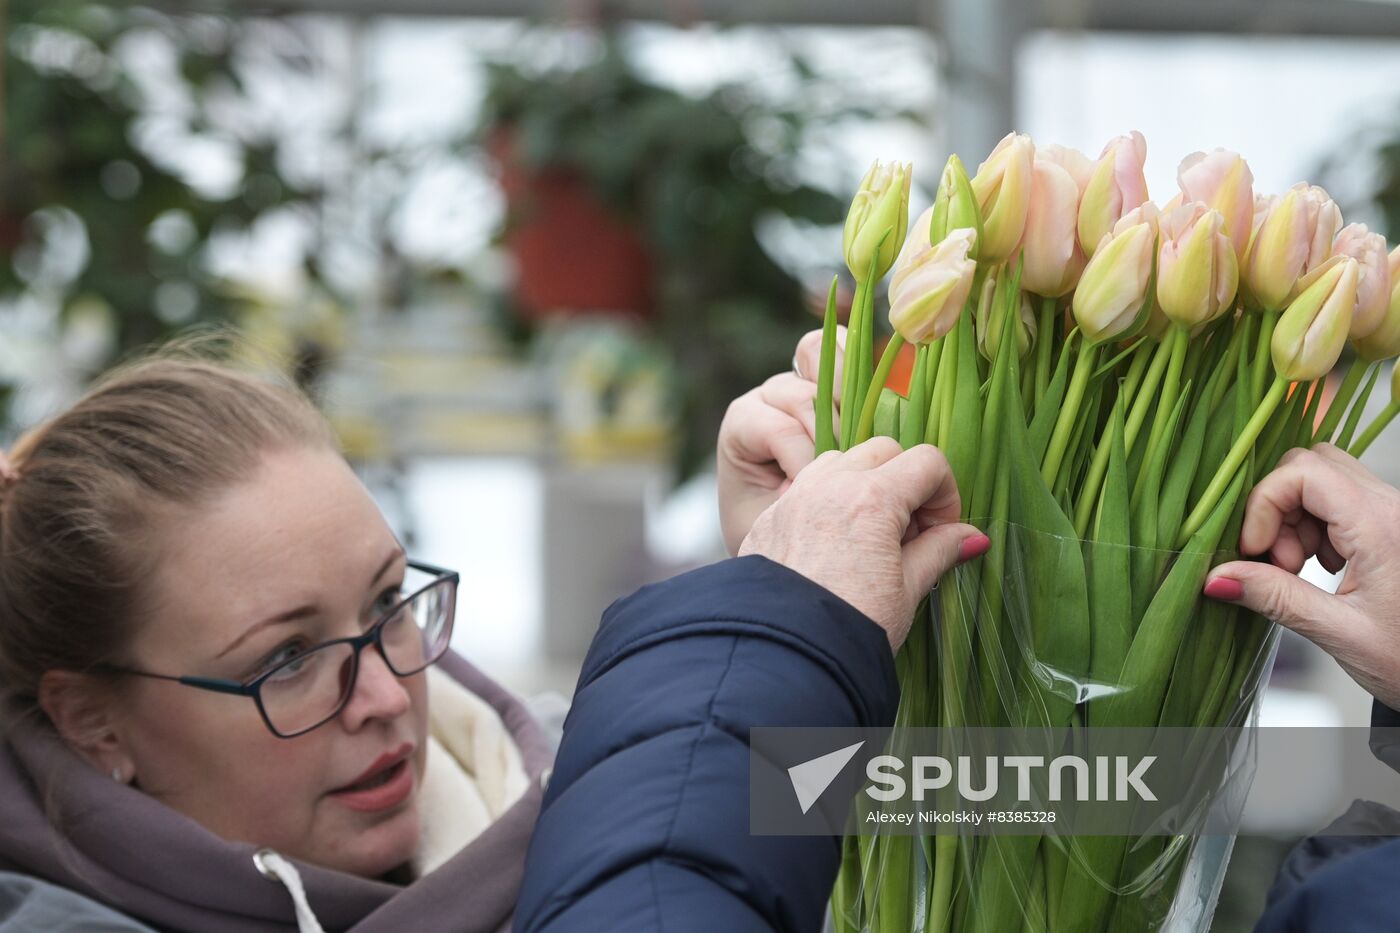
(1224, 588)
(974, 546)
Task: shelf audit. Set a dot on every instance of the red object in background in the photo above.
(572, 254)
(902, 370)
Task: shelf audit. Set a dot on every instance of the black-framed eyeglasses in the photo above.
(311, 687)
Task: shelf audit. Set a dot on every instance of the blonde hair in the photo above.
(159, 432)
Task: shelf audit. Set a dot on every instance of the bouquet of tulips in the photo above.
(1108, 379)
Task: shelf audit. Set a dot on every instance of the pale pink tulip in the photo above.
(1312, 331)
(1197, 272)
(1116, 186)
(931, 283)
(1384, 342)
(1222, 181)
(1145, 213)
(1079, 166)
(1113, 296)
(1050, 245)
(1292, 237)
(1003, 188)
(877, 220)
(1373, 286)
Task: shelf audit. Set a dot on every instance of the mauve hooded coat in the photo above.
(110, 843)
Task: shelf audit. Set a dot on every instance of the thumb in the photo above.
(937, 550)
(1282, 597)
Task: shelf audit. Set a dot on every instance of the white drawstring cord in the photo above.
(274, 867)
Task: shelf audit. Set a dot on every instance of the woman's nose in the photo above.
(378, 692)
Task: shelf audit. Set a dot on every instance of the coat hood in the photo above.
(67, 824)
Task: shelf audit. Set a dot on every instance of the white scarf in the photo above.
(474, 771)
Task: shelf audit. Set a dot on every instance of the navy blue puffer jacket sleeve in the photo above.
(645, 825)
(1343, 880)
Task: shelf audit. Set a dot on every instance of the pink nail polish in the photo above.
(1224, 588)
(974, 546)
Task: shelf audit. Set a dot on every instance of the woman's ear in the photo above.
(83, 711)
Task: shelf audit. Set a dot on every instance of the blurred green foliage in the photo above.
(72, 109)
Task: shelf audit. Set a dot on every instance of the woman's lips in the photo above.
(384, 784)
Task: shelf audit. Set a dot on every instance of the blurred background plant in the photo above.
(1362, 171)
(625, 196)
(105, 219)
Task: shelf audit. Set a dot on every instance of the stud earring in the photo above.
(117, 775)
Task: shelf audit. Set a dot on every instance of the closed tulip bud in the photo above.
(1313, 329)
(1263, 204)
(1197, 272)
(1145, 213)
(1003, 189)
(1294, 236)
(1383, 343)
(1113, 297)
(1050, 245)
(991, 319)
(1079, 166)
(1116, 186)
(955, 207)
(1222, 181)
(931, 284)
(880, 206)
(1373, 287)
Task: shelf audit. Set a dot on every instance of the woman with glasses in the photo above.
(219, 709)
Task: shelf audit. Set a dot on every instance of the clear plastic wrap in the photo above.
(1188, 666)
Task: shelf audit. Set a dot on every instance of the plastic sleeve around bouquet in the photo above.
(1086, 613)
(1196, 671)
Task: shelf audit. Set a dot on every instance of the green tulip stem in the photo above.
(1044, 344)
(826, 375)
(1232, 355)
(947, 382)
(945, 867)
(941, 387)
(1098, 468)
(859, 337)
(1142, 399)
(1069, 412)
(1350, 383)
(1374, 430)
(1233, 460)
(1175, 345)
(914, 416)
(1142, 355)
(877, 383)
(1262, 352)
(849, 371)
(1358, 409)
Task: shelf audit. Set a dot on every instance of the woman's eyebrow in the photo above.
(307, 611)
(291, 615)
(394, 555)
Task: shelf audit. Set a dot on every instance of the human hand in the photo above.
(876, 525)
(767, 436)
(1324, 503)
